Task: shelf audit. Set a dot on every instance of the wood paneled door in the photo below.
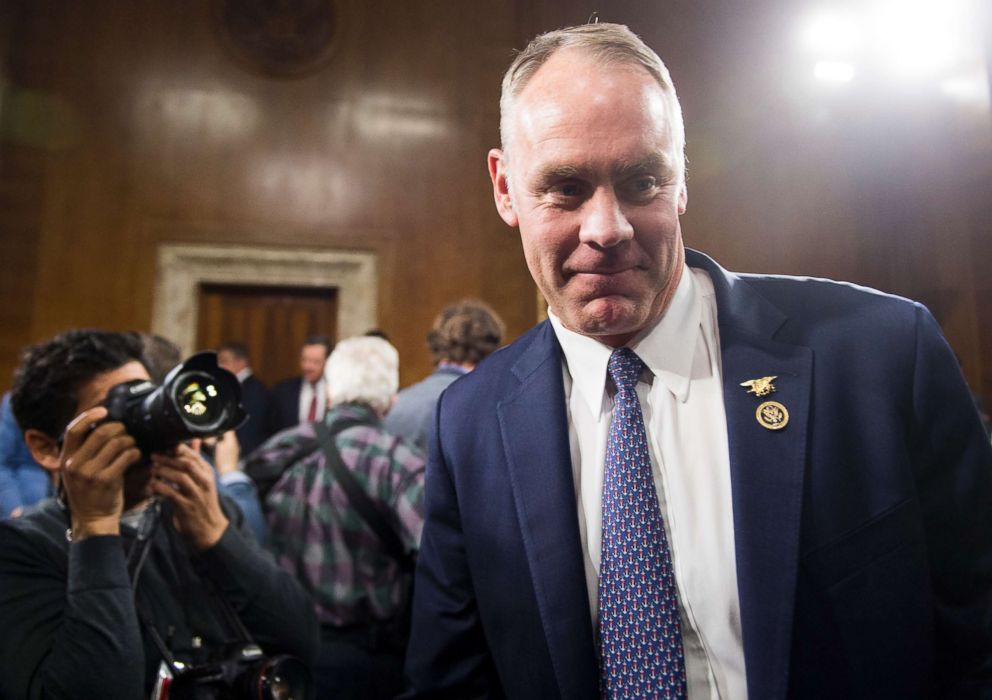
(272, 321)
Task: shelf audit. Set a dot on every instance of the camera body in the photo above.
(245, 673)
(197, 399)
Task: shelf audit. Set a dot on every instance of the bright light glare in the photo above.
(221, 115)
(918, 37)
(832, 34)
(970, 89)
(383, 116)
(834, 71)
(910, 38)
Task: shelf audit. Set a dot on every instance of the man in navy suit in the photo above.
(301, 399)
(821, 474)
(233, 356)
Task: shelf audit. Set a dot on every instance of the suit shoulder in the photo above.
(286, 386)
(501, 371)
(816, 300)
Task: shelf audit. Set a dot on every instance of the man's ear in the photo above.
(683, 199)
(44, 449)
(501, 187)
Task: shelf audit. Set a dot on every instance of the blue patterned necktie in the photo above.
(640, 641)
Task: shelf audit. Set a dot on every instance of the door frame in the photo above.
(181, 268)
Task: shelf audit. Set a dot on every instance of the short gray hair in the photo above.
(364, 370)
(605, 42)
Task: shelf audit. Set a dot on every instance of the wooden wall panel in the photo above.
(153, 132)
(383, 149)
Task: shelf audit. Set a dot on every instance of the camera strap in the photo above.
(369, 511)
(136, 557)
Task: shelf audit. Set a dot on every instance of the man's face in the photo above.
(91, 394)
(592, 179)
(312, 360)
(229, 361)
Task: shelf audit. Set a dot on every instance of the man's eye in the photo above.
(567, 189)
(643, 184)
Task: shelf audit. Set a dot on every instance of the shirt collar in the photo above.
(666, 348)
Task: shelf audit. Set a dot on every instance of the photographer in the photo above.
(75, 625)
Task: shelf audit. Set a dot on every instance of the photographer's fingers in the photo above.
(188, 462)
(94, 458)
(116, 455)
(197, 515)
(82, 426)
(227, 453)
(175, 480)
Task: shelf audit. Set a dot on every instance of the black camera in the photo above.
(197, 399)
(245, 674)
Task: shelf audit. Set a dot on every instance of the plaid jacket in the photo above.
(320, 539)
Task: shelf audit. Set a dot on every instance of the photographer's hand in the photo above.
(186, 480)
(227, 451)
(92, 466)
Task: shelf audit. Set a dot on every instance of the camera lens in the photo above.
(197, 399)
(283, 678)
(196, 395)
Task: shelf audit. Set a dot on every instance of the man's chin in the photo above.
(611, 320)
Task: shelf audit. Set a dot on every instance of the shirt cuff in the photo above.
(235, 477)
(97, 562)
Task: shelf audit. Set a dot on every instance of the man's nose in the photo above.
(604, 223)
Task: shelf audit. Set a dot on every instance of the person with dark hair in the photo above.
(233, 356)
(137, 560)
(688, 482)
(301, 399)
(159, 355)
(463, 334)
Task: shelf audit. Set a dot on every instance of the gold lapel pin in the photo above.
(772, 415)
(762, 386)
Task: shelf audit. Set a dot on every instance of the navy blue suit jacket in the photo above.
(284, 406)
(863, 529)
(255, 399)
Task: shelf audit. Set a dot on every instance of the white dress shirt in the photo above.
(681, 395)
(307, 391)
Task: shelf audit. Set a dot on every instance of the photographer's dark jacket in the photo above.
(70, 627)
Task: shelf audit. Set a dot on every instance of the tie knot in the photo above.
(625, 369)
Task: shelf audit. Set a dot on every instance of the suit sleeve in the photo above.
(955, 487)
(77, 638)
(447, 656)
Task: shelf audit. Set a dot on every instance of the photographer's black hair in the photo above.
(45, 383)
(159, 355)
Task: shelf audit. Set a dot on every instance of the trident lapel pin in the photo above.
(770, 414)
(762, 386)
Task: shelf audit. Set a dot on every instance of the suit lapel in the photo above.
(767, 468)
(535, 437)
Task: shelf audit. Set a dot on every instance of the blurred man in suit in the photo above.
(690, 482)
(301, 399)
(233, 356)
